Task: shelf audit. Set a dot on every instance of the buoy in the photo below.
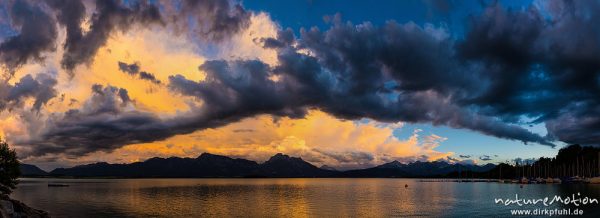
(521, 186)
(405, 185)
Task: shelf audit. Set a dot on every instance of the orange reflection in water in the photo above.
(275, 197)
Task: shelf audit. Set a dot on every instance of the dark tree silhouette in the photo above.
(9, 168)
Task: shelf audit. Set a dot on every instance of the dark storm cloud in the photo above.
(109, 119)
(134, 70)
(544, 66)
(109, 15)
(284, 38)
(37, 33)
(36, 25)
(103, 123)
(581, 125)
(510, 64)
(464, 156)
(397, 72)
(243, 88)
(211, 19)
(41, 89)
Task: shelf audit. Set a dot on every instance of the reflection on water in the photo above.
(282, 197)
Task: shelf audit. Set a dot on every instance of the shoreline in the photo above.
(14, 208)
(419, 179)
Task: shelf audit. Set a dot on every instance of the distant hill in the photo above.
(573, 160)
(415, 169)
(206, 165)
(325, 167)
(280, 165)
(31, 170)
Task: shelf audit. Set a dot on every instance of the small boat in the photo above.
(549, 180)
(574, 179)
(540, 180)
(57, 185)
(524, 180)
(556, 180)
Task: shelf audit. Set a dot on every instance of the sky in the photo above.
(348, 84)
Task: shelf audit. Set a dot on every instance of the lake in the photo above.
(287, 197)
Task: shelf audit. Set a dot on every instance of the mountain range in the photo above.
(278, 166)
(31, 170)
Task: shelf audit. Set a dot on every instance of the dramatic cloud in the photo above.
(394, 77)
(105, 122)
(541, 65)
(110, 15)
(41, 89)
(37, 32)
(210, 19)
(36, 23)
(511, 68)
(318, 138)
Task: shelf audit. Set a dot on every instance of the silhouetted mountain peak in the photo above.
(209, 156)
(440, 163)
(31, 170)
(283, 157)
(93, 164)
(281, 165)
(154, 159)
(393, 164)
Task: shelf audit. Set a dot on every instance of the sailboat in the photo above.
(595, 180)
(524, 180)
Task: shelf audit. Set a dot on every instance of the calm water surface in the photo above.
(284, 197)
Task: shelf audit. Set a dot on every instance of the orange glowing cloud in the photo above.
(318, 138)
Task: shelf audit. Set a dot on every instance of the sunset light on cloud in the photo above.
(318, 138)
(171, 78)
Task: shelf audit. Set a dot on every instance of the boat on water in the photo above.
(540, 180)
(57, 185)
(524, 180)
(574, 179)
(549, 180)
(556, 180)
